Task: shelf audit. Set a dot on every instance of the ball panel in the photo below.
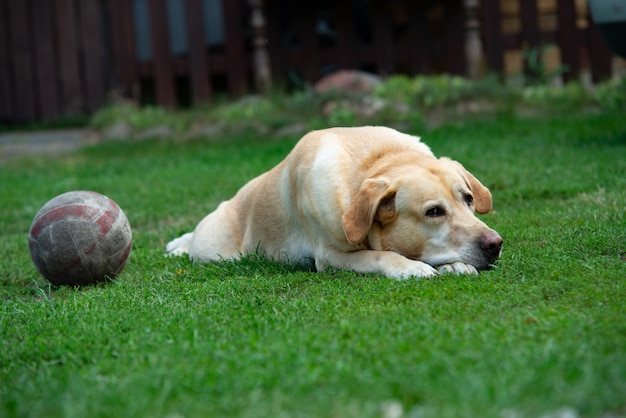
(62, 254)
(118, 260)
(38, 259)
(110, 218)
(60, 213)
(118, 243)
(76, 198)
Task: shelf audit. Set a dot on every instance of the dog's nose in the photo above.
(491, 243)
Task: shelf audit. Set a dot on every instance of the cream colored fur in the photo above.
(369, 199)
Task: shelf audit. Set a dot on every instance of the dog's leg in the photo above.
(217, 237)
(180, 245)
(387, 263)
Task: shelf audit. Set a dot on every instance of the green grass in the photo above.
(545, 331)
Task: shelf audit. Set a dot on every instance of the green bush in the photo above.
(398, 100)
(571, 94)
(425, 91)
(141, 118)
(611, 95)
(537, 72)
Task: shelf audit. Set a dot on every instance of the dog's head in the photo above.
(425, 212)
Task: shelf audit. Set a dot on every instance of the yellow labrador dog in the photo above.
(369, 199)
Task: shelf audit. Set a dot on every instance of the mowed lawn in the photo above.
(542, 334)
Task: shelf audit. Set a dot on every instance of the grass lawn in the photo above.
(543, 334)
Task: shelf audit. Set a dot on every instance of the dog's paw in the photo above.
(179, 246)
(175, 253)
(413, 269)
(457, 268)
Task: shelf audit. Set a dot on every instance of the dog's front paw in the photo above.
(412, 269)
(457, 268)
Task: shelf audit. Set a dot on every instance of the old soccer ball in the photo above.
(78, 238)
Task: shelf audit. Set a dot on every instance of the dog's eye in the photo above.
(435, 212)
(469, 199)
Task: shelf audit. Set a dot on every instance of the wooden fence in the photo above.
(60, 58)
(53, 59)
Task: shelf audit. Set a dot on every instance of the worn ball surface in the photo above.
(80, 237)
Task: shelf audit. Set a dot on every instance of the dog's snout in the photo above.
(491, 243)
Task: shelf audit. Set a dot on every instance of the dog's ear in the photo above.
(374, 202)
(482, 195)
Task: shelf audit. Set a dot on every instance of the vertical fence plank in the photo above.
(531, 37)
(234, 45)
(46, 66)
(276, 51)
(568, 39)
(308, 53)
(21, 50)
(530, 23)
(93, 53)
(599, 54)
(72, 101)
(492, 35)
(454, 23)
(161, 57)
(123, 44)
(418, 37)
(6, 105)
(346, 35)
(383, 38)
(198, 52)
